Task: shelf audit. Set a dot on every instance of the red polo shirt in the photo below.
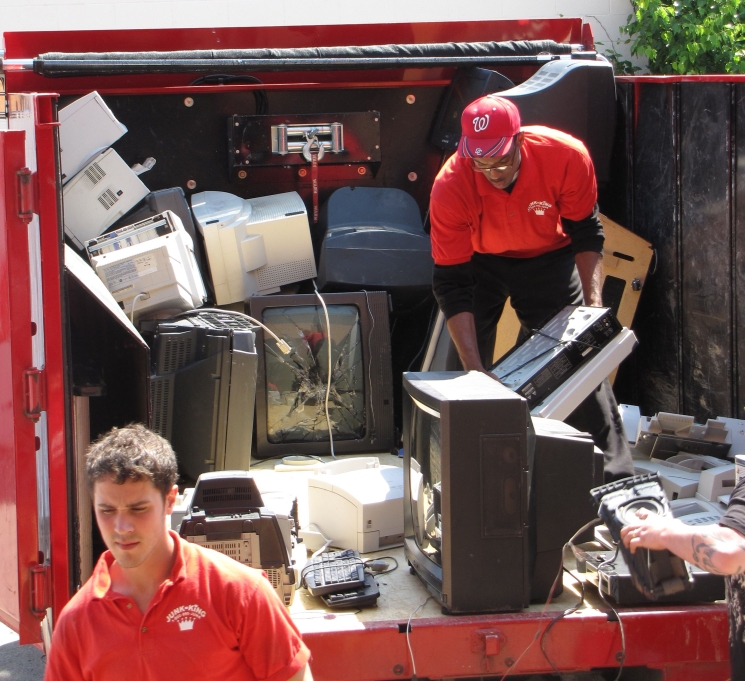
(468, 214)
(213, 618)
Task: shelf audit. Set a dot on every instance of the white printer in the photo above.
(356, 504)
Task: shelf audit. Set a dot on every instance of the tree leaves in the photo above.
(689, 36)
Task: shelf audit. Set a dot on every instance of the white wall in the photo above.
(66, 15)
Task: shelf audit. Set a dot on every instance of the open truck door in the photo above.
(33, 469)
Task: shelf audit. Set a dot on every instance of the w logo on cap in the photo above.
(481, 123)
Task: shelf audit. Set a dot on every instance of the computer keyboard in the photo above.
(334, 572)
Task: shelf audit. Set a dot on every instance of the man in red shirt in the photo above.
(157, 607)
(514, 215)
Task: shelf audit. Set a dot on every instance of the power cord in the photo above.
(262, 102)
(369, 368)
(283, 345)
(622, 658)
(569, 544)
(144, 296)
(328, 384)
(408, 637)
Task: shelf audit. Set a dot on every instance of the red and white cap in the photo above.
(488, 127)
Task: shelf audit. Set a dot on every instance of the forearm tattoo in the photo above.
(706, 546)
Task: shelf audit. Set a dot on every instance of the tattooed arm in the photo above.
(719, 550)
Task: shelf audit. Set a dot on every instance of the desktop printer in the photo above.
(355, 504)
(228, 514)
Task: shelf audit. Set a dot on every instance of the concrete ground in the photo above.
(19, 663)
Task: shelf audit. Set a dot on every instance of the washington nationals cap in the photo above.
(488, 127)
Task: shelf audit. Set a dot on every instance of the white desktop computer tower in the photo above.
(99, 195)
(254, 246)
(87, 127)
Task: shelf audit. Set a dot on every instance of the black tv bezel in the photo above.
(440, 578)
(376, 354)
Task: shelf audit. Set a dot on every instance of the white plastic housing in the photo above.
(254, 246)
(87, 127)
(164, 269)
(99, 195)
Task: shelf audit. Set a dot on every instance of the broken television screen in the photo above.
(296, 383)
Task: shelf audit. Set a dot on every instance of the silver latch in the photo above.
(293, 139)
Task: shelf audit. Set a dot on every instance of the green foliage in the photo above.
(689, 36)
(621, 66)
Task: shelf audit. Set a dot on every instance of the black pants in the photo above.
(538, 288)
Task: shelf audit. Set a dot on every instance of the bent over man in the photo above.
(514, 215)
(155, 606)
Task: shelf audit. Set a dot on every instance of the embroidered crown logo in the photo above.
(540, 207)
(185, 616)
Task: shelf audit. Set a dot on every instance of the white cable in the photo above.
(324, 537)
(144, 296)
(408, 635)
(283, 345)
(328, 384)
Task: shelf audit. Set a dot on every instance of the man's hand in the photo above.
(590, 268)
(462, 329)
(719, 550)
(647, 533)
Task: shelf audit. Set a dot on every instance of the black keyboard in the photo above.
(354, 598)
(334, 572)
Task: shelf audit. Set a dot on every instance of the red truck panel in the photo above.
(18, 504)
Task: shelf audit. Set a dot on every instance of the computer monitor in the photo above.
(374, 239)
(291, 393)
(489, 500)
(254, 246)
(202, 386)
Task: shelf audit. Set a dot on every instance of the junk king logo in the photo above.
(540, 207)
(481, 123)
(185, 616)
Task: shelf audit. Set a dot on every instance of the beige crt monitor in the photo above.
(254, 246)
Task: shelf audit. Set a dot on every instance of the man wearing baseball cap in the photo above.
(514, 215)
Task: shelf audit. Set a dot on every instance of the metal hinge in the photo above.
(3, 99)
(35, 398)
(26, 195)
(40, 592)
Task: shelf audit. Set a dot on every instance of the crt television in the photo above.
(490, 495)
(291, 389)
(202, 384)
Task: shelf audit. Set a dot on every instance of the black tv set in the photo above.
(291, 389)
(489, 499)
(202, 386)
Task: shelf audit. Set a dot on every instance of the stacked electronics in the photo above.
(228, 514)
(339, 578)
(489, 500)
(202, 388)
(99, 187)
(565, 360)
(150, 264)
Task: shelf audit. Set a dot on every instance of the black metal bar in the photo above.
(59, 68)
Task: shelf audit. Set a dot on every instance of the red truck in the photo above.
(48, 333)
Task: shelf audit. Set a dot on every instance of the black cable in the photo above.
(561, 615)
(432, 318)
(262, 101)
(566, 342)
(622, 659)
